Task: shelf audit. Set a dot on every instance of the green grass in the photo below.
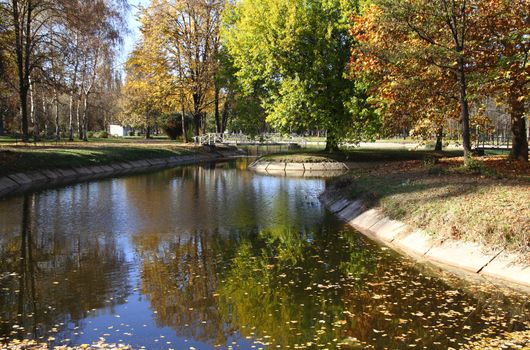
(358, 155)
(20, 159)
(472, 207)
(8, 139)
(497, 152)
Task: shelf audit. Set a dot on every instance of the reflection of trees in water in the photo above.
(287, 287)
(60, 276)
(180, 276)
(208, 287)
(216, 196)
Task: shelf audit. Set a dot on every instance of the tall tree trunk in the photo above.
(519, 149)
(332, 143)
(56, 112)
(73, 92)
(226, 112)
(203, 123)
(45, 115)
(23, 96)
(218, 127)
(78, 118)
(197, 115)
(464, 106)
(2, 130)
(197, 123)
(183, 121)
(71, 119)
(147, 125)
(22, 29)
(85, 118)
(33, 114)
(439, 139)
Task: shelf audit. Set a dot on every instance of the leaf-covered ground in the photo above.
(487, 203)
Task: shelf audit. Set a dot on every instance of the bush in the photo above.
(172, 125)
(436, 170)
(477, 167)
(102, 135)
(131, 133)
(90, 134)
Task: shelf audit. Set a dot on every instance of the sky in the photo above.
(133, 35)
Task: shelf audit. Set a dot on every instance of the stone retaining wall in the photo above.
(19, 182)
(416, 243)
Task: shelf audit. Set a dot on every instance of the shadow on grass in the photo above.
(374, 186)
(371, 155)
(29, 159)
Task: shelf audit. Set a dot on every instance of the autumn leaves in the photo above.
(431, 62)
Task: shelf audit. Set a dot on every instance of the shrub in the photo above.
(435, 170)
(171, 124)
(102, 135)
(90, 134)
(477, 167)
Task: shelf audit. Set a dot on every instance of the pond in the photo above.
(214, 256)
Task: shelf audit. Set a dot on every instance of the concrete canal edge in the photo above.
(416, 243)
(324, 169)
(21, 182)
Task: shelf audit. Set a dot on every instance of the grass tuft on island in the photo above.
(486, 203)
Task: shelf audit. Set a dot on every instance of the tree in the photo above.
(504, 53)
(184, 34)
(192, 44)
(26, 20)
(432, 34)
(295, 53)
(59, 47)
(412, 93)
(148, 86)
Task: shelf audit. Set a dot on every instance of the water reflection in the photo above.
(52, 278)
(212, 255)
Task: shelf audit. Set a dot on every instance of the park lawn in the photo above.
(357, 155)
(15, 159)
(11, 140)
(487, 204)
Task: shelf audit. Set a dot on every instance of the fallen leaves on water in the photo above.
(507, 340)
(33, 345)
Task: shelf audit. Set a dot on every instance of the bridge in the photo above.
(212, 139)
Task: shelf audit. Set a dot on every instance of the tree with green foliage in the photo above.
(294, 53)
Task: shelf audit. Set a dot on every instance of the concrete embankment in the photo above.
(317, 169)
(466, 256)
(20, 182)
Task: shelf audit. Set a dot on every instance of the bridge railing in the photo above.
(213, 138)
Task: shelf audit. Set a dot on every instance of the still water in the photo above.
(212, 255)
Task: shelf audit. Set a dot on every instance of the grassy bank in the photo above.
(27, 158)
(357, 155)
(487, 204)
